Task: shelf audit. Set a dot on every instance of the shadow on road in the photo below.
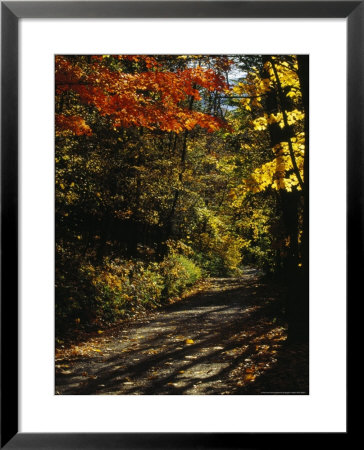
(237, 346)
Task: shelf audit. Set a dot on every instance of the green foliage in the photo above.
(218, 243)
(96, 295)
(179, 272)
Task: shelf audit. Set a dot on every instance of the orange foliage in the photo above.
(151, 98)
(73, 124)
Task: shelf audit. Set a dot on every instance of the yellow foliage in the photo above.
(279, 172)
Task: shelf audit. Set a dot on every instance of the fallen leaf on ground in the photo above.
(250, 377)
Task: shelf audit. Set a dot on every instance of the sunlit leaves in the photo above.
(152, 98)
(264, 91)
(279, 173)
(71, 125)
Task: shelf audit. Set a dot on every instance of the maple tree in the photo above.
(150, 98)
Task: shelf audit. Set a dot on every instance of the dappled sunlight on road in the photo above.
(219, 341)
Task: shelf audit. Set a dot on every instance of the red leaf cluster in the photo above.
(150, 98)
(74, 124)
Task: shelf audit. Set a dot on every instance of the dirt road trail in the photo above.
(227, 339)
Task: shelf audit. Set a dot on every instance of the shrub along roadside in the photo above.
(91, 296)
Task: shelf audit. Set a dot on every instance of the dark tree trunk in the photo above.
(298, 310)
(303, 74)
(170, 219)
(295, 262)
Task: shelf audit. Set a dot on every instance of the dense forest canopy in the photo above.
(170, 168)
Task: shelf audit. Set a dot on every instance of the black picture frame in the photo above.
(11, 12)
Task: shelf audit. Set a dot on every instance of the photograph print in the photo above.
(181, 212)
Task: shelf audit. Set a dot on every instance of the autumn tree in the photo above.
(274, 93)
